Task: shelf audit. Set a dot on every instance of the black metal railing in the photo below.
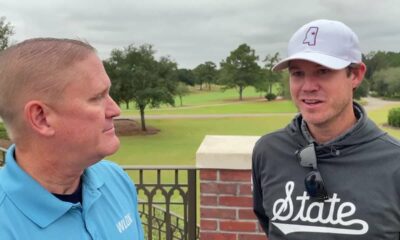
(167, 201)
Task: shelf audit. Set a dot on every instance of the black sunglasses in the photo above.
(313, 181)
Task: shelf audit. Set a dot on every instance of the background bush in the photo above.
(270, 96)
(394, 117)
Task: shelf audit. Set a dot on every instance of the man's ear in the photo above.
(37, 117)
(358, 75)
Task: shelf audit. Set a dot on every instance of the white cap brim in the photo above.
(322, 59)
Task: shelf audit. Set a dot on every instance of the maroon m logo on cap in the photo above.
(311, 36)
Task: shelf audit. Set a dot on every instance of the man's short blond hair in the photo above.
(36, 69)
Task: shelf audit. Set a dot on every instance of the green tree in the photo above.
(269, 77)
(186, 76)
(240, 69)
(205, 73)
(374, 61)
(111, 72)
(6, 31)
(387, 82)
(285, 85)
(120, 75)
(182, 90)
(143, 79)
(377, 61)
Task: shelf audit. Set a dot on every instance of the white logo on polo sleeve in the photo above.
(286, 218)
(311, 36)
(124, 223)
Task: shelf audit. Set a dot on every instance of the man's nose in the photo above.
(310, 84)
(112, 109)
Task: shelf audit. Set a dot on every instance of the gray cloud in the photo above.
(194, 31)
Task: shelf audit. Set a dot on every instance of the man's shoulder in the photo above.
(392, 141)
(272, 137)
(274, 134)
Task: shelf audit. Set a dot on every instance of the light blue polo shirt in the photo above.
(108, 210)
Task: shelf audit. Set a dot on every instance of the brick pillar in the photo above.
(226, 204)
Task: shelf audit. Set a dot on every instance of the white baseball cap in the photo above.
(329, 43)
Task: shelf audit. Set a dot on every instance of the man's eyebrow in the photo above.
(104, 91)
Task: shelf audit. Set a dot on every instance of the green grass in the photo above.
(178, 140)
(261, 106)
(216, 95)
(197, 97)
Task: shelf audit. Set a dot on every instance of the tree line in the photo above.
(138, 76)
(383, 74)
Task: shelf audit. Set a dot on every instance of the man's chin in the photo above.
(112, 147)
(312, 117)
(116, 145)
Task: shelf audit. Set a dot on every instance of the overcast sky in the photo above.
(194, 31)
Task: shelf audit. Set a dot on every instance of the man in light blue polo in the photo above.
(55, 104)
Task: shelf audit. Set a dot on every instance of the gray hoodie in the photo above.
(361, 172)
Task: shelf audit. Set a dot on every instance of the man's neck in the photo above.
(51, 173)
(326, 134)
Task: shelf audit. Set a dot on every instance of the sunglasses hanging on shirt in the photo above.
(313, 181)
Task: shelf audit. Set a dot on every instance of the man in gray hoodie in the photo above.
(331, 173)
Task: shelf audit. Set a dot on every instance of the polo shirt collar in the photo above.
(91, 179)
(92, 182)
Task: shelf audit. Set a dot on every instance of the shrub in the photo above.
(394, 117)
(270, 96)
